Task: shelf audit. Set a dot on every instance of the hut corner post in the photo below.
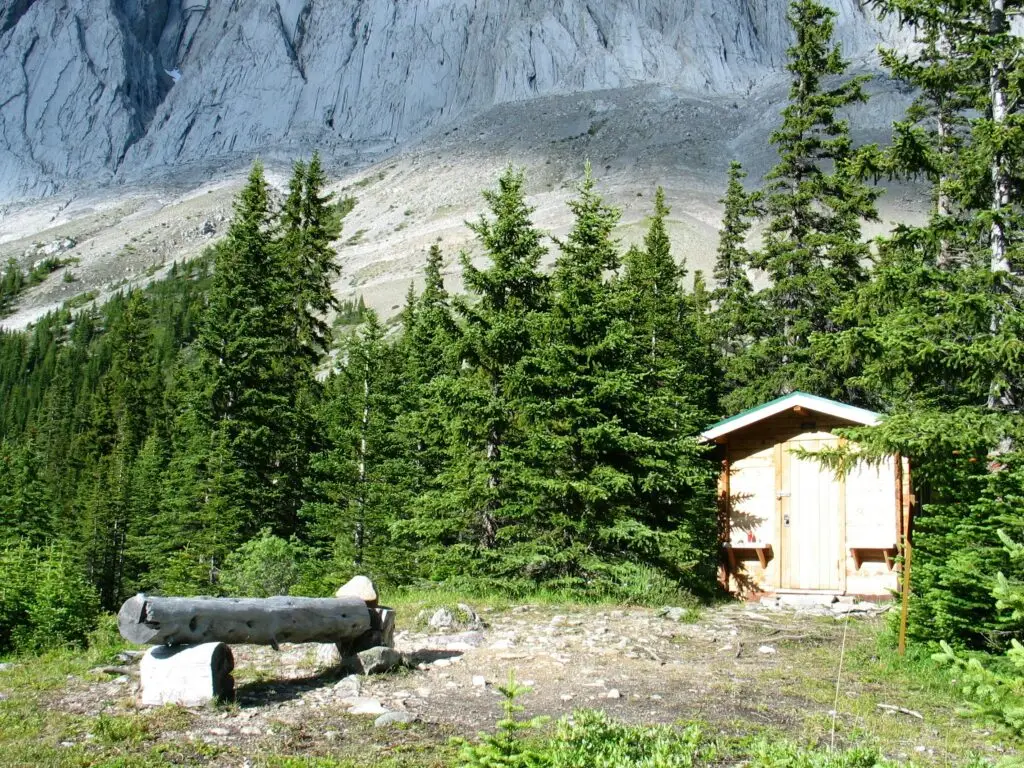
(905, 509)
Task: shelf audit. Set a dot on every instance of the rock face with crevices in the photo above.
(102, 90)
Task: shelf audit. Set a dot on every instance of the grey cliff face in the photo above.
(96, 90)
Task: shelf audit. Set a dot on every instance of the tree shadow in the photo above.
(261, 692)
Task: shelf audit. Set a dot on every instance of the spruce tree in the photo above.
(675, 395)
(248, 361)
(734, 305)
(663, 325)
(935, 337)
(365, 476)
(464, 515)
(813, 203)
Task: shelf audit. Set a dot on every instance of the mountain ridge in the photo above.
(113, 91)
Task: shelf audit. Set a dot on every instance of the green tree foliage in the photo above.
(264, 566)
(813, 204)
(483, 405)
(935, 336)
(733, 317)
(365, 477)
(992, 694)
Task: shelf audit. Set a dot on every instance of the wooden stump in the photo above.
(261, 621)
(187, 675)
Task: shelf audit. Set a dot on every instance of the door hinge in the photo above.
(782, 494)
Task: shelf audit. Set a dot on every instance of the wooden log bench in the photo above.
(192, 662)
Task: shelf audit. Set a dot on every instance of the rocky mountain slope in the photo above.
(101, 90)
(126, 126)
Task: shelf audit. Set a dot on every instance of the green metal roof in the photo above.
(812, 402)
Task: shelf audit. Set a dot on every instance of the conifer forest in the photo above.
(232, 429)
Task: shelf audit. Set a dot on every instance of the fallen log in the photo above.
(261, 621)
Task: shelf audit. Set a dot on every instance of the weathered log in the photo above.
(261, 621)
(187, 675)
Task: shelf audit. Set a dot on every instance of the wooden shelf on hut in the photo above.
(888, 551)
(762, 548)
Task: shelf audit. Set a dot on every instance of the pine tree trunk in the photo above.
(360, 529)
(488, 524)
(1000, 177)
(999, 261)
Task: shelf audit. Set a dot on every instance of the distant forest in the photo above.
(232, 430)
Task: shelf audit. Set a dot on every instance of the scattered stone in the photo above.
(767, 649)
(847, 609)
(441, 619)
(361, 587)
(188, 675)
(461, 641)
(347, 687)
(394, 718)
(332, 735)
(363, 706)
(566, 697)
(220, 732)
(327, 655)
(613, 693)
(251, 730)
(375, 661)
(479, 681)
(807, 601)
(6, 666)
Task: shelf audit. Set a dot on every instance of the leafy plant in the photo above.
(506, 748)
(265, 566)
(995, 695)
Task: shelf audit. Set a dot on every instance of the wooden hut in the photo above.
(788, 524)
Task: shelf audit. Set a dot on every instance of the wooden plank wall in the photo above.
(866, 509)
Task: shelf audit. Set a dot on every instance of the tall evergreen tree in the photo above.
(813, 203)
(483, 404)
(734, 305)
(365, 477)
(936, 335)
(248, 361)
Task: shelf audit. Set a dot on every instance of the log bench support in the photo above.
(192, 663)
(187, 675)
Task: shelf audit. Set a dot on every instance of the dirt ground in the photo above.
(740, 668)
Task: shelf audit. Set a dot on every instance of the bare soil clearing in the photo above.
(740, 668)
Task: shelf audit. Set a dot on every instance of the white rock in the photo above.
(392, 718)
(613, 693)
(347, 686)
(766, 649)
(327, 655)
(479, 681)
(187, 675)
(442, 618)
(361, 587)
(365, 706)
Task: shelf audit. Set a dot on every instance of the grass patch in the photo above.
(79, 301)
(356, 238)
(371, 179)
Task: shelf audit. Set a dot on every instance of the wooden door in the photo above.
(810, 518)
